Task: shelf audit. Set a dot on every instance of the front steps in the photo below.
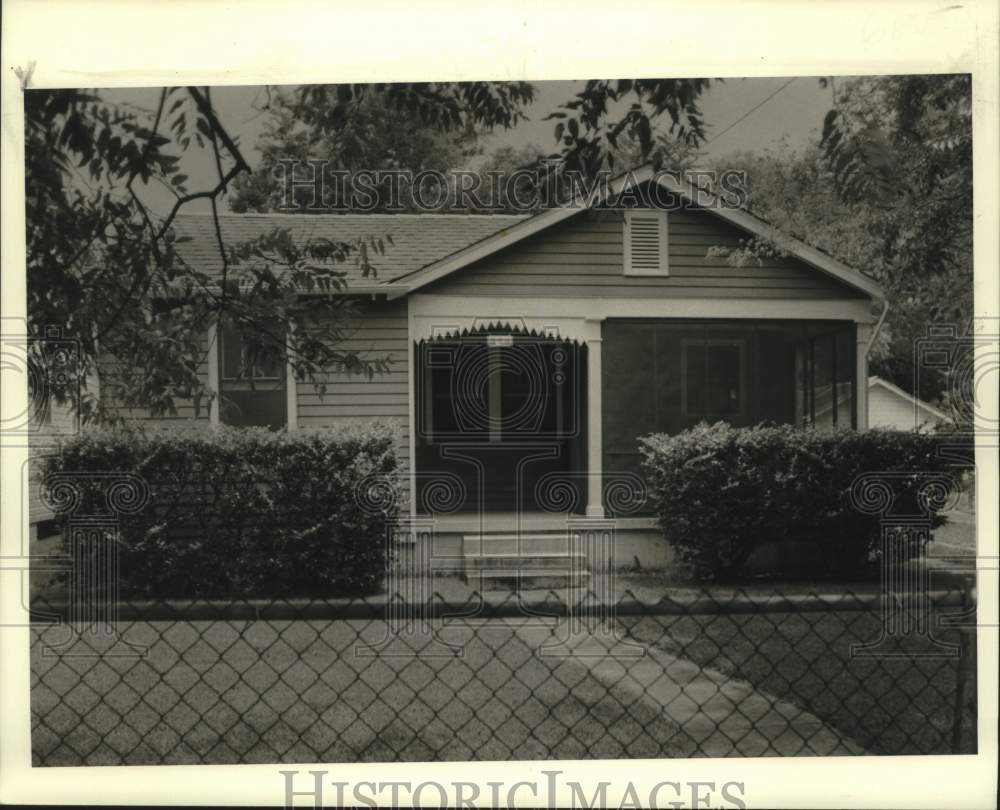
(510, 561)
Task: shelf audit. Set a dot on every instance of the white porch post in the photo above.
(864, 332)
(595, 445)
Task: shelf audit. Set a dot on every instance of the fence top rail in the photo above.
(491, 605)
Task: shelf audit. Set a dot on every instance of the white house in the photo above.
(889, 406)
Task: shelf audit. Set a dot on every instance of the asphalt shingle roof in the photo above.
(417, 239)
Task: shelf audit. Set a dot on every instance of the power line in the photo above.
(751, 111)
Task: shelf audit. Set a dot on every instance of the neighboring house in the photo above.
(530, 353)
(891, 407)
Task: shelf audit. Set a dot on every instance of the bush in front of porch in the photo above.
(238, 512)
(722, 493)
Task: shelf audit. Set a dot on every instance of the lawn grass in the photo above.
(305, 691)
(887, 705)
(285, 691)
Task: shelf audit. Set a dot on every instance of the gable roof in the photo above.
(417, 239)
(878, 382)
(427, 247)
(809, 255)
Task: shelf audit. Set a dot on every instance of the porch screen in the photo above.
(499, 410)
(666, 376)
(824, 380)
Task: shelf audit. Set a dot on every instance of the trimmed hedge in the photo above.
(721, 493)
(240, 512)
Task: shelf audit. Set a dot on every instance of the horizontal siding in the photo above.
(379, 331)
(889, 410)
(186, 412)
(583, 257)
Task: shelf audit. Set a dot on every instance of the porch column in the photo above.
(863, 333)
(595, 445)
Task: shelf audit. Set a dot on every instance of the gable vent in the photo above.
(645, 243)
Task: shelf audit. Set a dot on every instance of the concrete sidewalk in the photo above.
(720, 715)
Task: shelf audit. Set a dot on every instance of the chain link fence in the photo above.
(737, 674)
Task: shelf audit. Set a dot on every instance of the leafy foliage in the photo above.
(107, 271)
(589, 137)
(901, 148)
(241, 512)
(447, 106)
(345, 130)
(369, 135)
(915, 238)
(721, 493)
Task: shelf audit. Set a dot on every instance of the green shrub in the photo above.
(721, 493)
(239, 512)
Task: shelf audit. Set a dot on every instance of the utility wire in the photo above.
(751, 111)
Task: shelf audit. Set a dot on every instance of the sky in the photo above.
(741, 114)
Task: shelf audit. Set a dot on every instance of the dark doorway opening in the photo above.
(500, 413)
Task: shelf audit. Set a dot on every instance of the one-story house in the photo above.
(529, 353)
(889, 406)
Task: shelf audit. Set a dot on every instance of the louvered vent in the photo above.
(646, 243)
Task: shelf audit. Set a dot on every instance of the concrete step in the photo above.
(515, 543)
(548, 561)
(520, 578)
(521, 561)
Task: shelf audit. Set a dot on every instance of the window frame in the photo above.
(216, 380)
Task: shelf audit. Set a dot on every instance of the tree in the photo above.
(374, 137)
(901, 147)
(508, 180)
(889, 191)
(590, 138)
(107, 272)
(348, 129)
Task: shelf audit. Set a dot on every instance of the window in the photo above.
(252, 377)
(712, 376)
(645, 240)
